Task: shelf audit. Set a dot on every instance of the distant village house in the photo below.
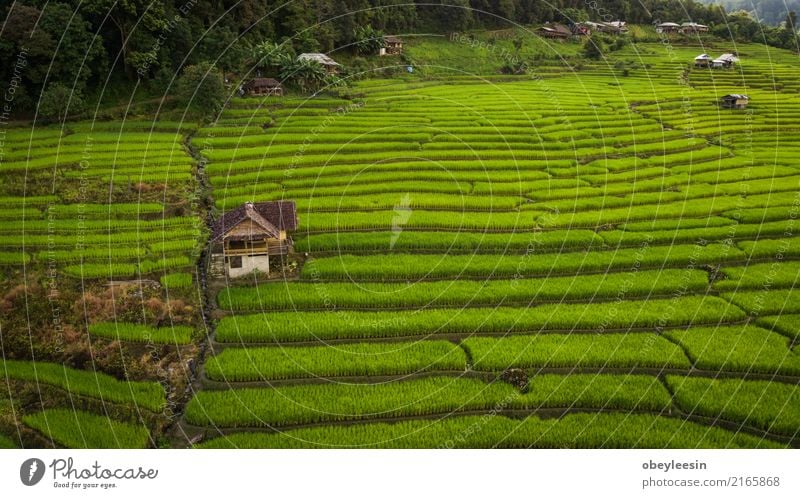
(691, 28)
(618, 26)
(392, 45)
(613, 27)
(244, 238)
(667, 27)
(554, 32)
(330, 65)
(734, 101)
(702, 60)
(724, 61)
(263, 86)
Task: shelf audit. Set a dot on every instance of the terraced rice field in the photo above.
(96, 222)
(574, 259)
(65, 228)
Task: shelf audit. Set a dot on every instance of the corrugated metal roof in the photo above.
(321, 58)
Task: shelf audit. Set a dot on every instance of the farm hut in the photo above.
(263, 86)
(581, 29)
(243, 239)
(702, 60)
(724, 61)
(734, 101)
(668, 27)
(691, 28)
(555, 32)
(392, 45)
(617, 26)
(330, 65)
(613, 28)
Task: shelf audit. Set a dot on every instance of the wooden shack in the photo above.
(615, 27)
(702, 60)
(734, 101)
(692, 28)
(243, 239)
(392, 45)
(554, 32)
(330, 65)
(263, 86)
(668, 27)
(724, 61)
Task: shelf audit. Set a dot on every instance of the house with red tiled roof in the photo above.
(243, 239)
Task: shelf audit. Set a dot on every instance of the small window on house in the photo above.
(235, 261)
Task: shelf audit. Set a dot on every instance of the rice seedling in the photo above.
(532, 264)
(580, 430)
(770, 406)
(450, 242)
(742, 348)
(621, 238)
(364, 359)
(78, 429)
(14, 258)
(102, 270)
(786, 324)
(351, 295)
(775, 275)
(147, 395)
(176, 281)
(574, 350)
(771, 248)
(313, 403)
(418, 219)
(613, 392)
(134, 332)
(300, 326)
(765, 301)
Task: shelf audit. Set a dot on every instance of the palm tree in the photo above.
(306, 74)
(271, 56)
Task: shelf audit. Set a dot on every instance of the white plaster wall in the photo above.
(249, 263)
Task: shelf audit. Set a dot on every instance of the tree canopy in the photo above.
(86, 44)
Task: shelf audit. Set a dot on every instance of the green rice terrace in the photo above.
(595, 256)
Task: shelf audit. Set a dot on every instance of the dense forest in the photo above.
(67, 49)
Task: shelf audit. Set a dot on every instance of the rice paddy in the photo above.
(570, 259)
(585, 231)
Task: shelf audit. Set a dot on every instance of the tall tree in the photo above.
(137, 22)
